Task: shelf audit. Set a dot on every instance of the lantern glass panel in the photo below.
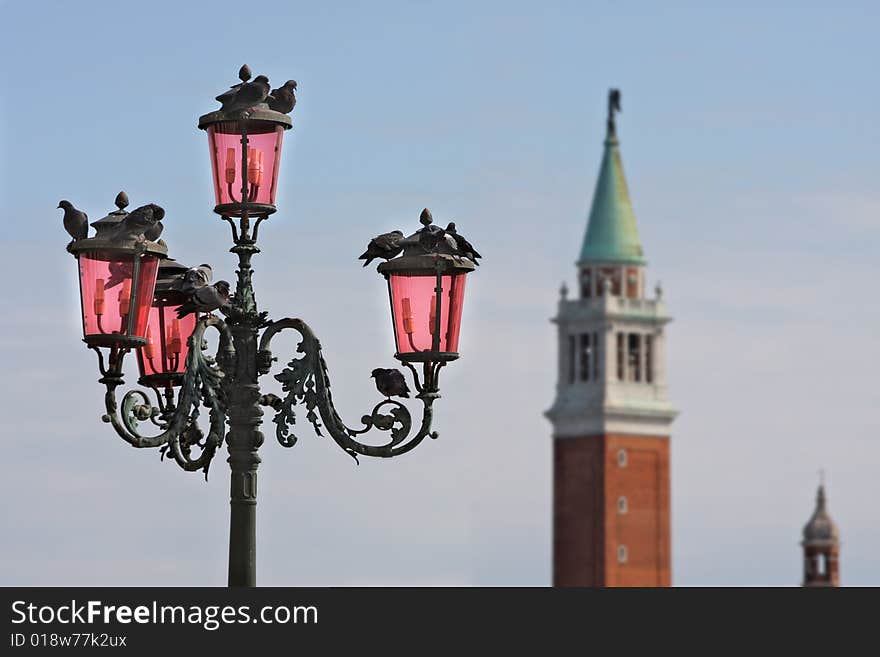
(414, 309)
(112, 302)
(166, 349)
(264, 157)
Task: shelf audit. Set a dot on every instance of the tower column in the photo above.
(611, 447)
(609, 351)
(659, 358)
(643, 356)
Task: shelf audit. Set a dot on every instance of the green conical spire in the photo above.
(612, 235)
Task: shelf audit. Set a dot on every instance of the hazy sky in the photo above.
(750, 141)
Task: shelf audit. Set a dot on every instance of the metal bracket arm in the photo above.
(203, 385)
(306, 381)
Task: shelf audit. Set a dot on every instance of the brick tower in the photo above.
(611, 418)
(821, 547)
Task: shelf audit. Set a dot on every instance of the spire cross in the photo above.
(613, 107)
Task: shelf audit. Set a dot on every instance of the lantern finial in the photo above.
(244, 73)
(426, 217)
(121, 200)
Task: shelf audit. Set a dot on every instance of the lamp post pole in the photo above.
(245, 415)
(244, 437)
(425, 274)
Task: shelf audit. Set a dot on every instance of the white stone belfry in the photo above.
(612, 375)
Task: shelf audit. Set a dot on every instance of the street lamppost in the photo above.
(134, 297)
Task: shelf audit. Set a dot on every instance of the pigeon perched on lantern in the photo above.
(153, 232)
(194, 278)
(139, 223)
(385, 246)
(76, 222)
(283, 99)
(245, 95)
(206, 299)
(464, 247)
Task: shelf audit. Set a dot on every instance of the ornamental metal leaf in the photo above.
(306, 381)
(298, 381)
(203, 385)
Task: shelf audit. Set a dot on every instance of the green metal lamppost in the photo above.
(135, 298)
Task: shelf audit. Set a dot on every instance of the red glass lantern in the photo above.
(116, 298)
(248, 148)
(162, 360)
(427, 297)
(116, 280)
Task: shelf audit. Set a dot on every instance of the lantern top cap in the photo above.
(254, 114)
(429, 249)
(117, 234)
(170, 276)
(253, 100)
(426, 263)
(170, 268)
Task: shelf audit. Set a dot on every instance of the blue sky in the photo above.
(750, 142)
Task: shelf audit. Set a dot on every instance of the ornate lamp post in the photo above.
(124, 308)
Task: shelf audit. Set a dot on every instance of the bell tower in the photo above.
(611, 418)
(821, 545)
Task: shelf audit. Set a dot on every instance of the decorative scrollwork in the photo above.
(203, 385)
(398, 422)
(306, 381)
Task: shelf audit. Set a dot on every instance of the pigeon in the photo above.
(76, 222)
(119, 271)
(138, 222)
(246, 95)
(390, 383)
(430, 238)
(226, 98)
(385, 246)
(283, 99)
(153, 233)
(467, 249)
(244, 74)
(205, 299)
(195, 277)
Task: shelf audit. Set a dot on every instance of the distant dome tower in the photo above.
(821, 547)
(611, 417)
